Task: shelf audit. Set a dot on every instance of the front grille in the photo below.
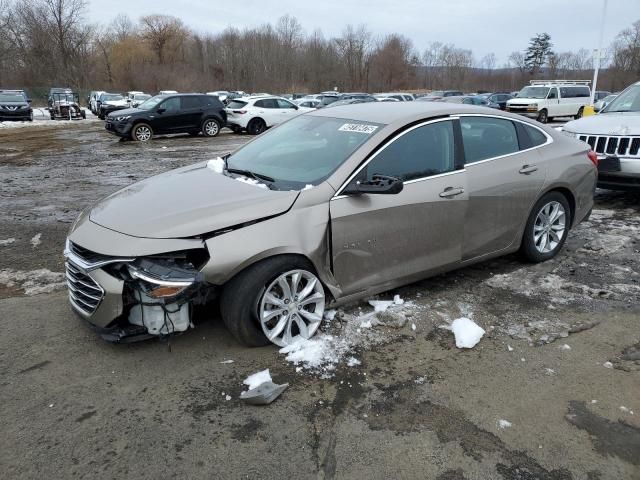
(84, 292)
(87, 255)
(613, 145)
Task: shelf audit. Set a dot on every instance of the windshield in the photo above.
(328, 99)
(303, 151)
(533, 92)
(112, 97)
(11, 98)
(61, 97)
(627, 101)
(151, 103)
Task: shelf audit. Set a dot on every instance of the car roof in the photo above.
(392, 112)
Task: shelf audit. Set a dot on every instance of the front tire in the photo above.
(256, 126)
(543, 116)
(547, 228)
(273, 301)
(210, 128)
(141, 132)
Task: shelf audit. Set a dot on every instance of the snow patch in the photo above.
(35, 241)
(353, 362)
(607, 365)
(504, 424)
(257, 379)
(466, 332)
(251, 181)
(216, 164)
(33, 282)
(7, 241)
(227, 361)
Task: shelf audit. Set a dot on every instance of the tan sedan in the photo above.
(328, 208)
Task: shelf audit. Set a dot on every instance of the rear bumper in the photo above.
(619, 181)
(22, 115)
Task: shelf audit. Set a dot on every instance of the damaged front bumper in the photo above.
(130, 298)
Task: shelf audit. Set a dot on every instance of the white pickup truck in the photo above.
(546, 99)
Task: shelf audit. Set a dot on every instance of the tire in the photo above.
(256, 126)
(101, 116)
(30, 119)
(210, 127)
(243, 297)
(531, 245)
(543, 116)
(141, 132)
(83, 114)
(579, 114)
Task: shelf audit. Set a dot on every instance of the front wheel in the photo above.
(579, 114)
(142, 133)
(274, 301)
(547, 228)
(543, 116)
(256, 126)
(210, 128)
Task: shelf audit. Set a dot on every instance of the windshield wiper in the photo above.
(249, 173)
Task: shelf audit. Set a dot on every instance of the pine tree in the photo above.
(538, 52)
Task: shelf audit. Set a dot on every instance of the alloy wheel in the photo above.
(143, 133)
(292, 305)
(549, 227)
(211, 128)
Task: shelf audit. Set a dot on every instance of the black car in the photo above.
(191, 113)
(14, 105)
(499, 98)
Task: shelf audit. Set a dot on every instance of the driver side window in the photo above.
(553, 93)
(171, 105)
(422, 152)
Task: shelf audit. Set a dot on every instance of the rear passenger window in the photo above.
(536, 136)
(422, 152)
(190, 102)
(487, 137)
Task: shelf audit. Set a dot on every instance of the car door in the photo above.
(166, 118)
(553, 103)
(286, 109)
(191, 109)
(269, 111)
(380, 239)
(504, 177)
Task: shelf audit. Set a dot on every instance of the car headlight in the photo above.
(122, 118)
(533, 105)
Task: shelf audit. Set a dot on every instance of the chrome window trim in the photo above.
(490, 159)
(338, 193)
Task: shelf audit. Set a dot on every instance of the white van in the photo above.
(545, 99)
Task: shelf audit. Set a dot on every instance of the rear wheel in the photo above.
(141, 132)
(547, 228)
(210, 127)
(543, 116)
(273, 301)
(579, 114)
(256, 126)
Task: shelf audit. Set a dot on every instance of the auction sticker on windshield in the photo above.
(358, 127)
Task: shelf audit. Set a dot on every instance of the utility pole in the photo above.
(597, 56)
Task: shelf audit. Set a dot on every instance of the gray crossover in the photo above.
(330, 207)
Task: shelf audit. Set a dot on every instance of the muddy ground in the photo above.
(560, 361)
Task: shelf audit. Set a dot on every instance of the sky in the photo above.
(483, 26)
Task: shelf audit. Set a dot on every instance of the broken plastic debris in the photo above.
(263, 394)
(255, 380)
(504, 424)
(216, 164)
(466, 332)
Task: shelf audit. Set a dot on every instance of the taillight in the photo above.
(593, 156)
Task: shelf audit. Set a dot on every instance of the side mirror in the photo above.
(379, 184)
(161, 110)
(295, 107)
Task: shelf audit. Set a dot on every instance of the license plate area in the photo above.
(609, 164)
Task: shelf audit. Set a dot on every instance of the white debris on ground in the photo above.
(7, 241)
(564, 346)
(227, 361)
(353, 362)
(626, 410)
(504, 424)
(607, 365)
(467, 333)
(329, 314)
(216, 164)
(509, 348)
(33, 282)
(35, 241)
(251, 181)
(257, 379)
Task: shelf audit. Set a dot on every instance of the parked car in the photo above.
(256, 114)
(348, 101)
(471, 100)
(191, 113)
(614, 134)
(401, 97)
(137, 98)
(600, 94)
(365, 97)
(440, 94)
(328, 208)
(94, 100)
(308, 103)
(131, 93)
(14, 105)
(166, 92)
(498, 98)
(546, 99)
(64, 104)
(603, 102)
(110, 102)
(221, 94)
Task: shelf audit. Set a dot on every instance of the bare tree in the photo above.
(162, 32)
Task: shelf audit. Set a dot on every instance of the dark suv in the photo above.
(191, 113)
(14, 105)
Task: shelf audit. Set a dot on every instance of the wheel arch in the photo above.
(568, 194)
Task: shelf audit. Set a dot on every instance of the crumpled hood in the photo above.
(187, 202)
(622, 123)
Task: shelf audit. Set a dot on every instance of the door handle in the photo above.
(526, 169)
(451, 192)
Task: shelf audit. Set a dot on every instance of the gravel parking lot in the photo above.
(552, 391)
